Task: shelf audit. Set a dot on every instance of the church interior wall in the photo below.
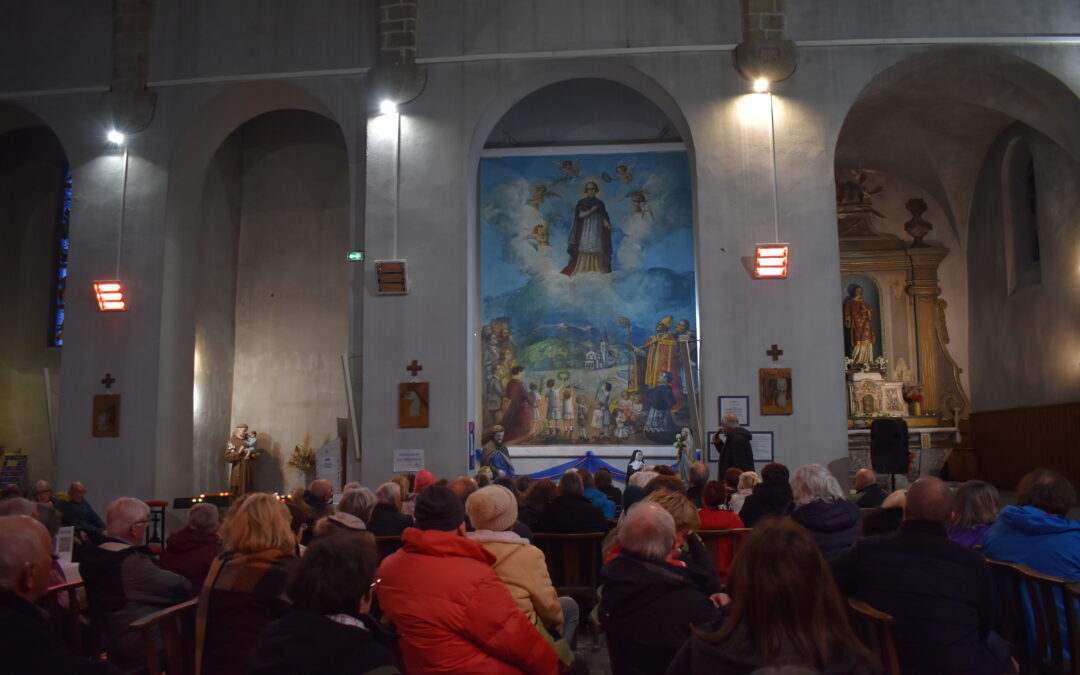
(151, 349)
(1024, 343)
(291, 290)
(208, 38)
(215, 313)
(32, 166)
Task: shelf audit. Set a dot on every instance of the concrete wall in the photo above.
(32, 166)
(1025, 346)
(291, 288)
(215, 314)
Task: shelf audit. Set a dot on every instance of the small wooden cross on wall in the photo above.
(414, 367)
(108, 380)
(774, 353)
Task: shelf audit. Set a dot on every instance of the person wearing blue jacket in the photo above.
(1036, 533)
(594, 495)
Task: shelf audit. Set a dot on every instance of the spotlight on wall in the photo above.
(761, 85)
(115, 137)
(771, 261)
(110, 296)
(387, 107)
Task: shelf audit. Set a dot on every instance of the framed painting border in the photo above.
(756, 435)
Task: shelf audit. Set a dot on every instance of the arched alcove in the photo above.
(577, 302)
(35, 201)
(204, 226)
(961, 140)
(271, 293)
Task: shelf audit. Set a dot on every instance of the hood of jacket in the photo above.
(826, 516)
(189, 539)
(740, 433)
(773, 492)
(1031, 520)
(443, 544)
(632, 584)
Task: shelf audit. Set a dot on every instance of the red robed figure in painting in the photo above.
(517, 419)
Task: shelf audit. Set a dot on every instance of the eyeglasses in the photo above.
(374, 583)
(140, 522)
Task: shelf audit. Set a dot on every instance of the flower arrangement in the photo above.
(912, 394)
(302, 458)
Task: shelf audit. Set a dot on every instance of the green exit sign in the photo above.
(355, 256)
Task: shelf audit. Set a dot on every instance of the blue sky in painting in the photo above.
(653, 255)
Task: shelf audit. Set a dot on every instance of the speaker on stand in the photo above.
(889, 446)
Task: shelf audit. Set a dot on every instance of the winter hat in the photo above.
(438, 508)
(424, 478)
(492, 508)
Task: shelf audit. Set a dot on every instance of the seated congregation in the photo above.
(469, 575)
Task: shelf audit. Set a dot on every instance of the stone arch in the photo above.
(969, 93)
(33, 164)
(194, 148)
(501, 105)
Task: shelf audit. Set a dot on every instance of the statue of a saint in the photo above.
(859, 321)
(240, 451)
(495, 454)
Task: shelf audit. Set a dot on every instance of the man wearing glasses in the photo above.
(124, 582)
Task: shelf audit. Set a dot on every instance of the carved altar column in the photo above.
(924, 290)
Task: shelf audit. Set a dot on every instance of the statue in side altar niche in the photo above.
(495, 454)
(240, 451)
(859, 321)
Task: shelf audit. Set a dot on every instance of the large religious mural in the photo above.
(587, 283)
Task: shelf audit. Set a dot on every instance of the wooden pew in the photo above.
(573, 561)
(176, 626)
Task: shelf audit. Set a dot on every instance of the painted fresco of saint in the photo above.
(589, 245)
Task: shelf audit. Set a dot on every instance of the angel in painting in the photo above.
(569, 170)
(539, 194)
(539, 234)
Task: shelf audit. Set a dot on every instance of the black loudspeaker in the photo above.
(889, 445)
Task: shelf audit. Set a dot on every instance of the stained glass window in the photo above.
(56, 332)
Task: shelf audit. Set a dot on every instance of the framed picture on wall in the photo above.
(735, 405)
(106, 418)
(762, 445)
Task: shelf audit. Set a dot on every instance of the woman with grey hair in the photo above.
(821, 508)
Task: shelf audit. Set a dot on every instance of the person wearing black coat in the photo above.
(734, 450)
(938, 592)
(649, 603)
(387, 521)
(868, 494)
(772, 498)
(571, 511)
(820, 507)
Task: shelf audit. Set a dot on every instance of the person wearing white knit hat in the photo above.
(493, 511)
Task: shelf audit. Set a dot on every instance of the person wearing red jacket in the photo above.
(452, 611)
(191, 551)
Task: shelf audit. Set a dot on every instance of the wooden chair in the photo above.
(874, 628)
(1009, 607)
(69, 616)
(387, 545)
(176, 625)
(573, 561)
(721, 545)
(1048, 653)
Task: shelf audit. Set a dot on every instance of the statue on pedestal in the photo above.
(240, 451)
(859, 321)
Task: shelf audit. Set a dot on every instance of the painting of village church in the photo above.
(587, 283)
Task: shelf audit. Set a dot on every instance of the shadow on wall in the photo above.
(268, 468)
